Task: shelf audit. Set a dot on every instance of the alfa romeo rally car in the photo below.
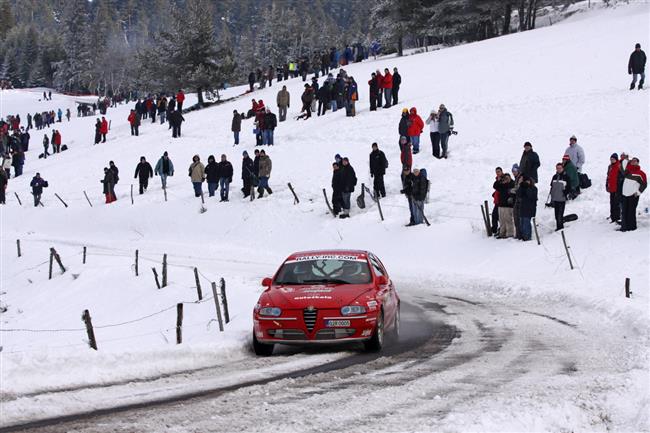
(328, 296)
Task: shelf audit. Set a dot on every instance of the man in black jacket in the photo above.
(378, 166)
(225, 171)
(529, 162)
(212, 175)
(349, 180)
(270, 122)
(251, 80)
(397, 80)
(175, 120)
(143, 172)
(337, 188)
(636, 66)
(247, 173)
(236, 126)
(373, 92)
(420, 185)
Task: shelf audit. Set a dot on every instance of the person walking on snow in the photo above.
(134, 121)
(636, 66)
(143, 172)
(236, 126)
(37, 184)
(265, 167)
(576, 153)
(284, 102)
(378, 166)
(416, 125)
(109, 182)
(175, 120)
(197, 175)
(164, 168)
(46, 145)
(247, 174)
(225, 171)
(212, 175)
(634, 184)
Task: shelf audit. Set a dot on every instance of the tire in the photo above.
(262, 349)
(376, 342)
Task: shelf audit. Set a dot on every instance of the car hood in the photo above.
(317, 296)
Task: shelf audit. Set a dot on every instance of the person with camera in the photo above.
(559, 191)
(527, 199)
(505, 187)
(434, 134)
(445, 128)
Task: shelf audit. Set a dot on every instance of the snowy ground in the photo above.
(541, 86)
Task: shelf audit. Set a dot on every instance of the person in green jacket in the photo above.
(572, 173)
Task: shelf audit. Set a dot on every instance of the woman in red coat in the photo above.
(388, 87)
(416, 125)
(611, 186)
(103, 130)
(380, 87)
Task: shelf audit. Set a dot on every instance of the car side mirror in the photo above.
(266, 282)
(382, 280)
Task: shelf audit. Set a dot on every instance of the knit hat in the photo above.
(515, 167)
(528, 144)
(573, 137)
(405, 110)
(637, 45)
(244, 153)
(566, 157)
(614, 155)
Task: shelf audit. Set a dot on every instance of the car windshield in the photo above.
(324, 271)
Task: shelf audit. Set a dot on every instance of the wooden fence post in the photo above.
(51, 262)
(226, 315)
(536, 233)
(58, 259)
(295, 200)
(628, 292)
(92, 342)
(179, 323)
(566, 248)
(84, 259)
(136, 263)
(216, 304)
(155, 275)
(18, 198)
(198, 284)
(18, 247)
(91, 205)
(131, 193)
(164, 271)
(61, 200)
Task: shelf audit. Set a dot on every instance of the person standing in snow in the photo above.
(416, 125)
(4, 181)
(180, 98)
(378, 166)
(634, 184)
(307, 98)
(98, 131)
(434, 134)
(397, 81)
(445, 127)
(324, 95)
(504, 186)
(6, 164)
(374, 89)
(59, 115)
(404, 123)
(387, 84)
(109, 182)
(212, 175)
(265, 166)
(337, 188)
(270, 122)
(104, 129)
(37, 184)
(636, 66)
(143, 172)
(225, 172)
(236, 126)
(611, 186)
(573, 177)
(527, 199)
(116, 172)
(284, 102)
(529, 162)
(559, 191)
(406, 155)
(251, 81)
(624, 161)
(197, 175)
(495, 200)
(419, 188)
(576, 153)
(162, 109)
(134, 121)
(247, 174)
(164, 168)
(175, 120)
(67, 114)
(351, 96)
(380, 87)
(46, 145)
(349, 179)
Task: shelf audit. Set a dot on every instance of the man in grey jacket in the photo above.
(576, 153)
(284, 101)
(445, 127)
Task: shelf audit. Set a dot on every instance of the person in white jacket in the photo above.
(432, 121)
(576, 153)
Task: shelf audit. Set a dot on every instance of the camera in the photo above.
(454, 132)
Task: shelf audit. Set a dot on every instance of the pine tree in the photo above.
(73, 72)
(6, 19)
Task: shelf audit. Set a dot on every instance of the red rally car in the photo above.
(328, 296)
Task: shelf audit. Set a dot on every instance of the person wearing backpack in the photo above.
(37, 184)
(378, 166)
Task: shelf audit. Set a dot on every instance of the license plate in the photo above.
(337, 323)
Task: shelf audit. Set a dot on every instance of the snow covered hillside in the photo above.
(540, 86)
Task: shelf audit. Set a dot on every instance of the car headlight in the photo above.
(270, 311)
(351, 310)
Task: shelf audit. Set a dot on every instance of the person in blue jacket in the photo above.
(37, 184)
(164, 168)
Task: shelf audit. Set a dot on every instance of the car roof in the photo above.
(359, 254)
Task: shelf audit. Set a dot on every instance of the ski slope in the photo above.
(540, 86)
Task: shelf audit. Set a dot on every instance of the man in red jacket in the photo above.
(388, 87)
(134, 121)
(180, 97)
(416, 125)
(380, 87)
(103, 130)
(611, 186)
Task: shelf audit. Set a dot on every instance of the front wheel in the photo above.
(261, 349)
(394, 334)
(376, 342)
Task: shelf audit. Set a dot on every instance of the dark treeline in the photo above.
(115, 46)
